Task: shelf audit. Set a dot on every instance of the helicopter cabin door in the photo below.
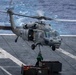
(30, 35)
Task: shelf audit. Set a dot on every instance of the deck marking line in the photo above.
(14, 59)
(5, 70)
(68, 35)
(60, 35)
(66, 53)
(7, 34)
(2, 55)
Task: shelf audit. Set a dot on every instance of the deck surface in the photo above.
(22, 51)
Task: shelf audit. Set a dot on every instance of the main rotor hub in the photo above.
(10, 11)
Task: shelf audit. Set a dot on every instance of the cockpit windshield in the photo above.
(49, 34)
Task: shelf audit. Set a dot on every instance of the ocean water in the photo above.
(61, 9)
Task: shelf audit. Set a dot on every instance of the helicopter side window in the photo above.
(47, 34)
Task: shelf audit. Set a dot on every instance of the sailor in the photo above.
(39, 59)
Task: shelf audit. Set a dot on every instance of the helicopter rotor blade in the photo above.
(35, 17)
(24, 15)
(42, 17)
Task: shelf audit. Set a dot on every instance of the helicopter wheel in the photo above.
(53, 48)
(33, 46)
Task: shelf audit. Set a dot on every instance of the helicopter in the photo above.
(38, 32)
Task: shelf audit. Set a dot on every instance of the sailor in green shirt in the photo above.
(39, 58)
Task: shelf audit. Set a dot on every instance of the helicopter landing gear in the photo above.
(33, 46)
(16, 39)
(53, 48)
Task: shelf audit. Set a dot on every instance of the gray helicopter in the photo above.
(38, 32)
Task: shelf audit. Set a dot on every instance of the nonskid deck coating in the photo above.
(22, 51)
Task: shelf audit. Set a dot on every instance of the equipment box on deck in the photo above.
(45, 68)
(34, 70)
(54, 66)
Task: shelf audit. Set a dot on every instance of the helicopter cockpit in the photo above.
(52, 38)
(49, 34)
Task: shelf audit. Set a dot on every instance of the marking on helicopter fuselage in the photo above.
(67, 53)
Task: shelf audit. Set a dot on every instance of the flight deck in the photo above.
(12, 55)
